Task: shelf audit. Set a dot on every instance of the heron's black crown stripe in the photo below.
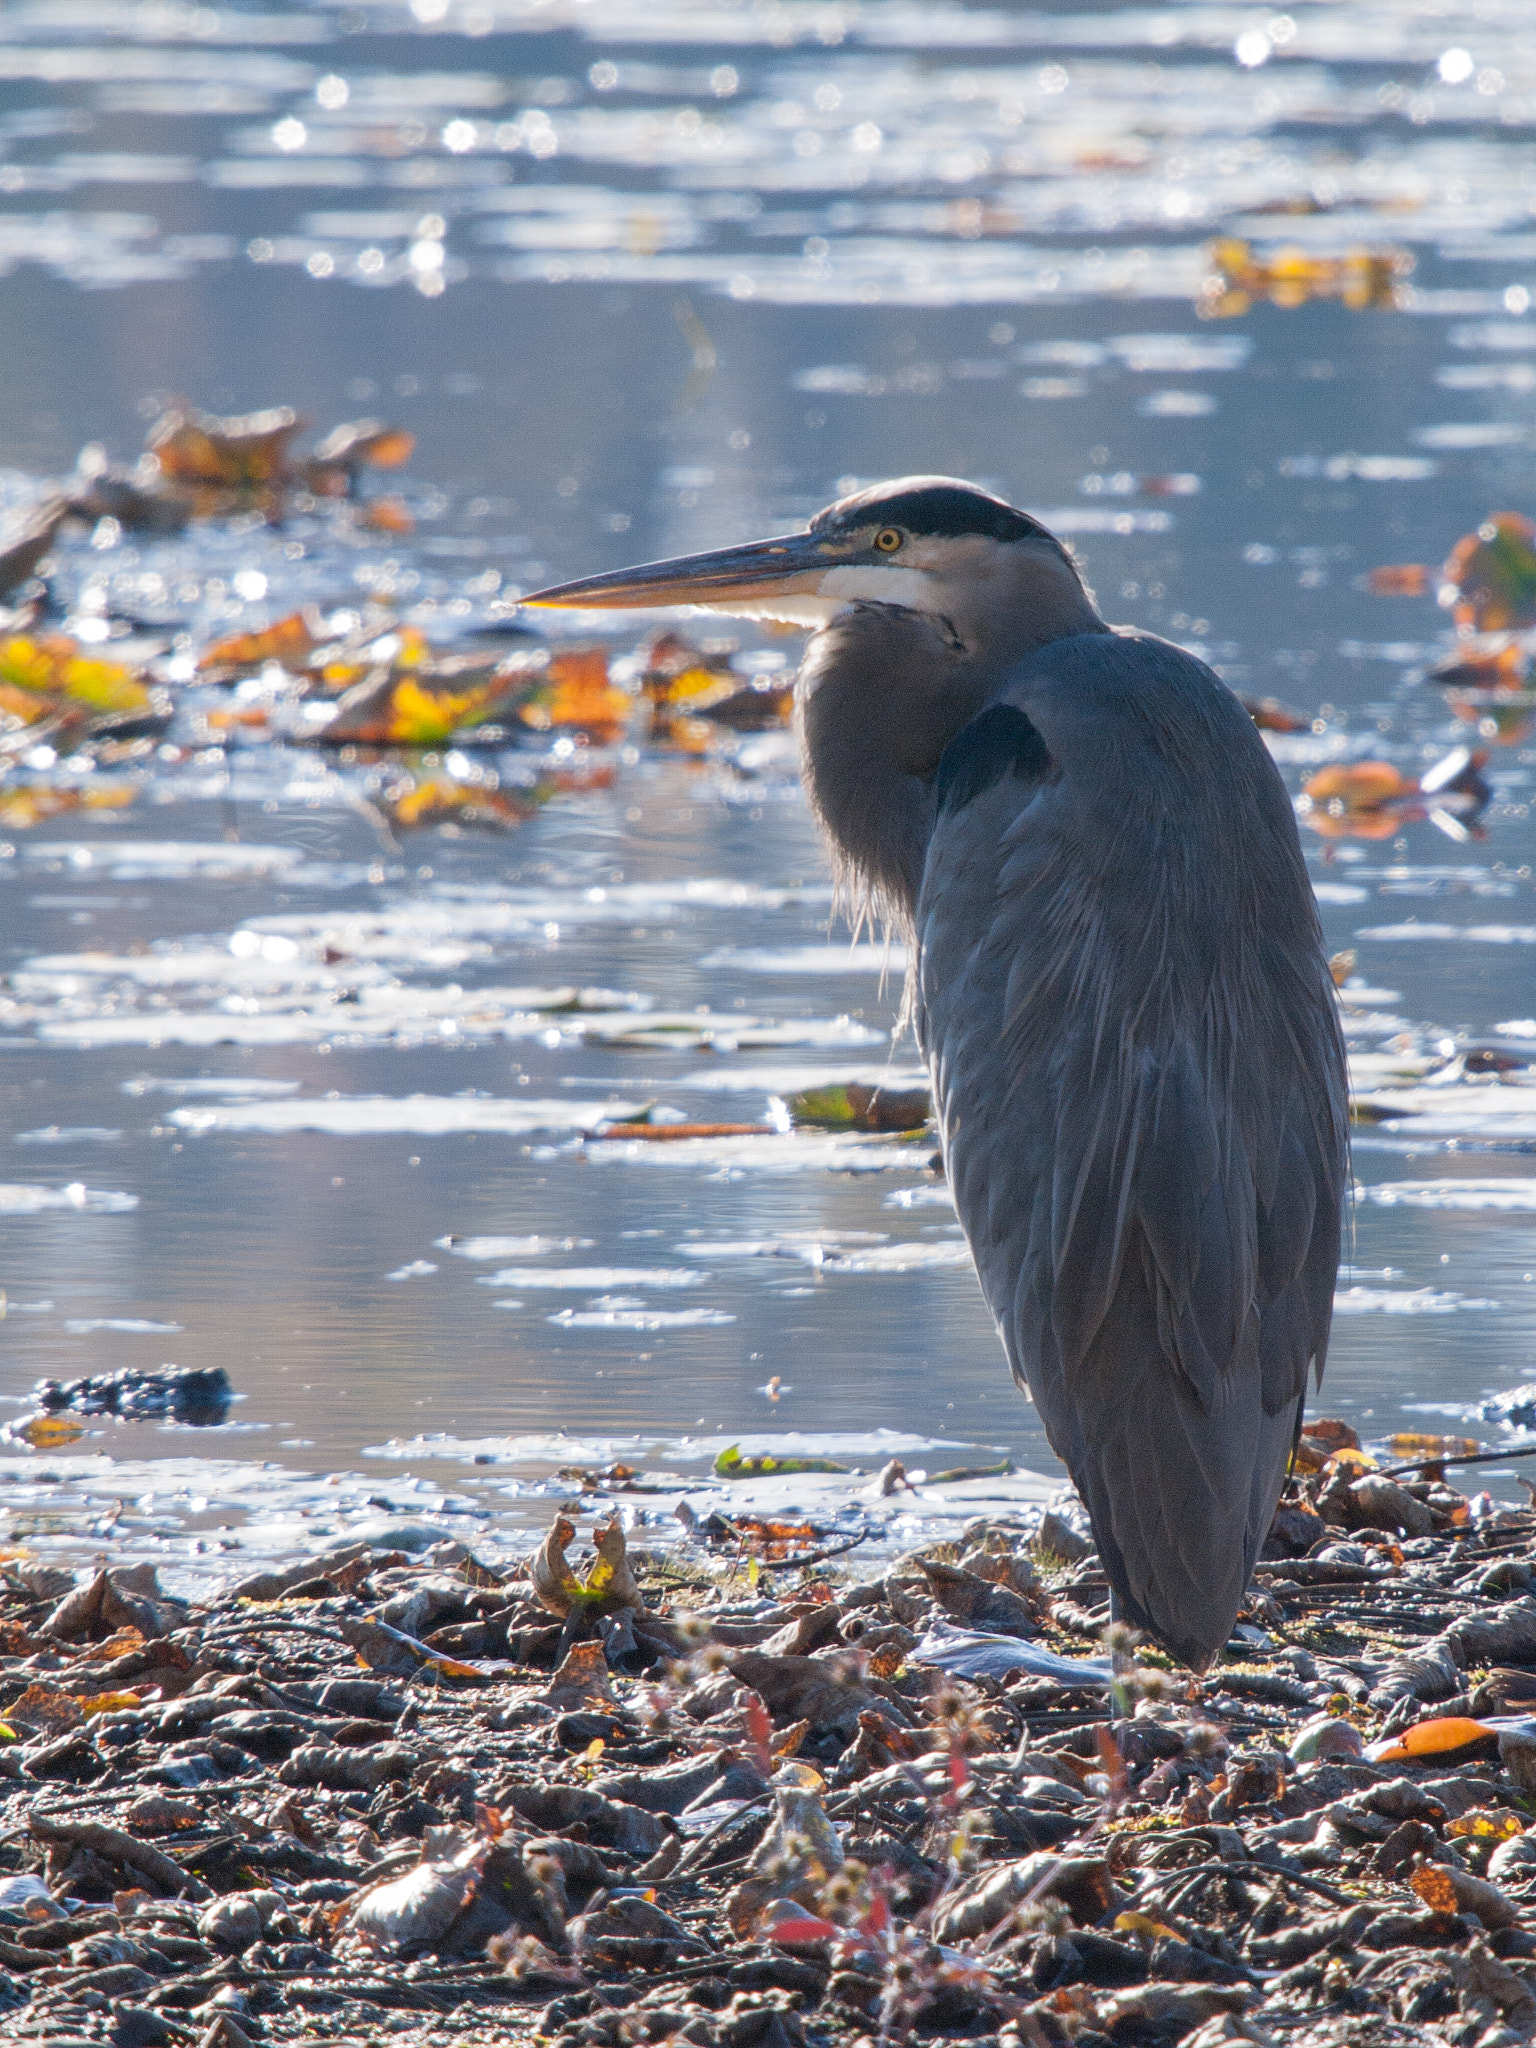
(999, 741)
(932, 509)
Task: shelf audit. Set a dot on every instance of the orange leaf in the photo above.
(1399, 579)
(390, 515)
(288, 641)
(1430, 1738)
(1433, 1884)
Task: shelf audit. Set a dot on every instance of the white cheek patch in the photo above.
(872, 583)
(854, 583)
(803, 609)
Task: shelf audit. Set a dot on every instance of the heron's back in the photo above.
(1137, 1066)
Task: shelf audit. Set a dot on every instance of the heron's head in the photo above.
(927, 545)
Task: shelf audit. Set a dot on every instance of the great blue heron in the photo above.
(1118, 984)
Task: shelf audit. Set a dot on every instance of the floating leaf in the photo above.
(244, 452)
(28, 804)
(1493, 572)
(46, 1432)
(850, 1105)
(417, 703)
(1363, 279)
(1400, 579)
(1410, 1444)
(958, 1474)
(56, 667)
(390, 515)
(289, 641)
(732, 1465)
(576, 693)
(1270, 715)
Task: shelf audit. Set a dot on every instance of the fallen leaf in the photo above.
(1363, 279)
(576, 693)
(845, 1105)
(1400, 579)
(730, 1464)
(1493, 572)
(56, 667)
(290, 641)
(1487, 1824)
(1430, 1738)
(46, 1432)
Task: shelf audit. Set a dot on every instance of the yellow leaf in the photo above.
(610, 1579)
(419, 718)
(47, 1432)
(1410, 1444)
(92, 1703)
(55, 666)
(1145, 1927)
(1488, 1824)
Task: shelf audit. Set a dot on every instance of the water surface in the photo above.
(642, 279)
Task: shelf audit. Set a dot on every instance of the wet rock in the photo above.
(197, 1395)
(630, 1934)
(231, 1924)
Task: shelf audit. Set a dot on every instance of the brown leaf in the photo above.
(555, 1585)
(583, 1677)
(1432, 1882)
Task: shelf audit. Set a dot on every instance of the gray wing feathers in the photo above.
(1139, 1075)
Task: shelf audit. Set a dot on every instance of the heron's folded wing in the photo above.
(1138, 1074)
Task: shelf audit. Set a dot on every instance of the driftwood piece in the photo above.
(113, 1846)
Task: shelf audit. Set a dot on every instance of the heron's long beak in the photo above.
(759, 573)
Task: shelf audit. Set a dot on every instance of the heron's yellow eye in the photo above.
(888, 540)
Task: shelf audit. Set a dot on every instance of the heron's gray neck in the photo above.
(881, 694)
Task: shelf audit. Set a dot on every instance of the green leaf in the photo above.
(732, 1465)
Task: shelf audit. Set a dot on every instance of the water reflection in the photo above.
(290, 1027)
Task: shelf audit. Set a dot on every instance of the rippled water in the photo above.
(643, 278)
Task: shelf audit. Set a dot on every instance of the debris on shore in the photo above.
(755, 1802)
